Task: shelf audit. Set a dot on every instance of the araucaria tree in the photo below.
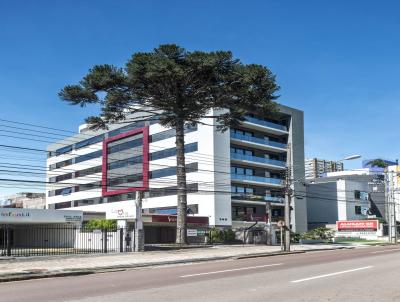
(179, 88)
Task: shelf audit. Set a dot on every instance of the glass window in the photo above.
(89, 141)
(240, 189)
(357, 194)
(240, 171)
(249, 190)
(249, 171)
(357, 210)
(63, 150)
(248, 152)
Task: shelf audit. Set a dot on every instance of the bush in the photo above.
(100, 224)
(222, 236)
(320, 233)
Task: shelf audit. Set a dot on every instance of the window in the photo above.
(125, 162)
(88, 156)
(172, 171)
(167, 191)
(126, 128)
(357, 194)
(62, 205)
(88, 171)
(125, 146)
(170, 133)
(64, 150)
(89, 141)
(172, 152)
(357, 210)
(242, 171)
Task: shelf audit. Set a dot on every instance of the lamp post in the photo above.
(289, 192)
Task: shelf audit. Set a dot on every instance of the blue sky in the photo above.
(338, 61)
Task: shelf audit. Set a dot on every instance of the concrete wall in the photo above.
(296, 143)
(322, 206)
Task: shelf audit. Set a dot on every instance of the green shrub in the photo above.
(222, 236)
(100, 224)
(320, 233)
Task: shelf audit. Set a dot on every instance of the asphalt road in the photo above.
(367, 274)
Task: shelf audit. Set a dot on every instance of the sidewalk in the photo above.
(51, 266)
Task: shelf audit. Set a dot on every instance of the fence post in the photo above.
(105, 241)
(121, 240)
(8, 240)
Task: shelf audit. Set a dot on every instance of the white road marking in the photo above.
(231, 270)
(385, 251)
(332, 274)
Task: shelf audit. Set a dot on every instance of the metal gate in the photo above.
(33, 240)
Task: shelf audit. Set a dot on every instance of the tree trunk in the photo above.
(181, 222)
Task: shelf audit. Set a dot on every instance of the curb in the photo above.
(116, 268)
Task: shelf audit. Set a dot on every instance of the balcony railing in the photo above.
(257, 140)
(265, 123)
(257, 159)
(267, 180)
(250, 217)
(251, 197)
(274, 199)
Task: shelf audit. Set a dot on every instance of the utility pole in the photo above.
(139, 232)
(268, 211)
(288, 197)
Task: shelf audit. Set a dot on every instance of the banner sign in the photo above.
(30, 216)
(357, 225)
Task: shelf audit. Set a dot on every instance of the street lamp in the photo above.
(351, 157)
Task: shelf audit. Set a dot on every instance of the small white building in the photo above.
(340, 198)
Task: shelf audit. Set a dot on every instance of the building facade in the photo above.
(231, 175)
(344, 196)
(26, 200)
(315, 167)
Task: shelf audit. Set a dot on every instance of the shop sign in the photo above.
(357, 225)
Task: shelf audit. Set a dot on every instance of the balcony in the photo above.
(257, 180)
(266, 126)
(250, 217)
(257, 199)
(258, 161)
(261, 143)
(274, 199)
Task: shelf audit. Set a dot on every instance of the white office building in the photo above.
(230, 175)
(348, 195)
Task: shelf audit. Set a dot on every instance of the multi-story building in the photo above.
(231, 175)
(26, 200)
(315, 167)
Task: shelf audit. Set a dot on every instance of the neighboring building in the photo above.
(347, 195)
(26, 200)
(231, 176)
(315, 167)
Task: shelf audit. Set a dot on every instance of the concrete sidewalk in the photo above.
(51, 266)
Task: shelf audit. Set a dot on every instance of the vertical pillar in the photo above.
(139, 232)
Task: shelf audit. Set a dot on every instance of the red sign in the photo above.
(172, 218)
(357, 225)
(257, 217)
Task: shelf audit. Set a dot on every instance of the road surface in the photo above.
(365, 274)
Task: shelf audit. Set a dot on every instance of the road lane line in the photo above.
(231, 270)
(385, 251)
(332, 274)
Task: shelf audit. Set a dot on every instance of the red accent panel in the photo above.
(172, 218)
(145, 180)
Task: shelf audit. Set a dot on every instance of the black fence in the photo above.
(36, 240)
